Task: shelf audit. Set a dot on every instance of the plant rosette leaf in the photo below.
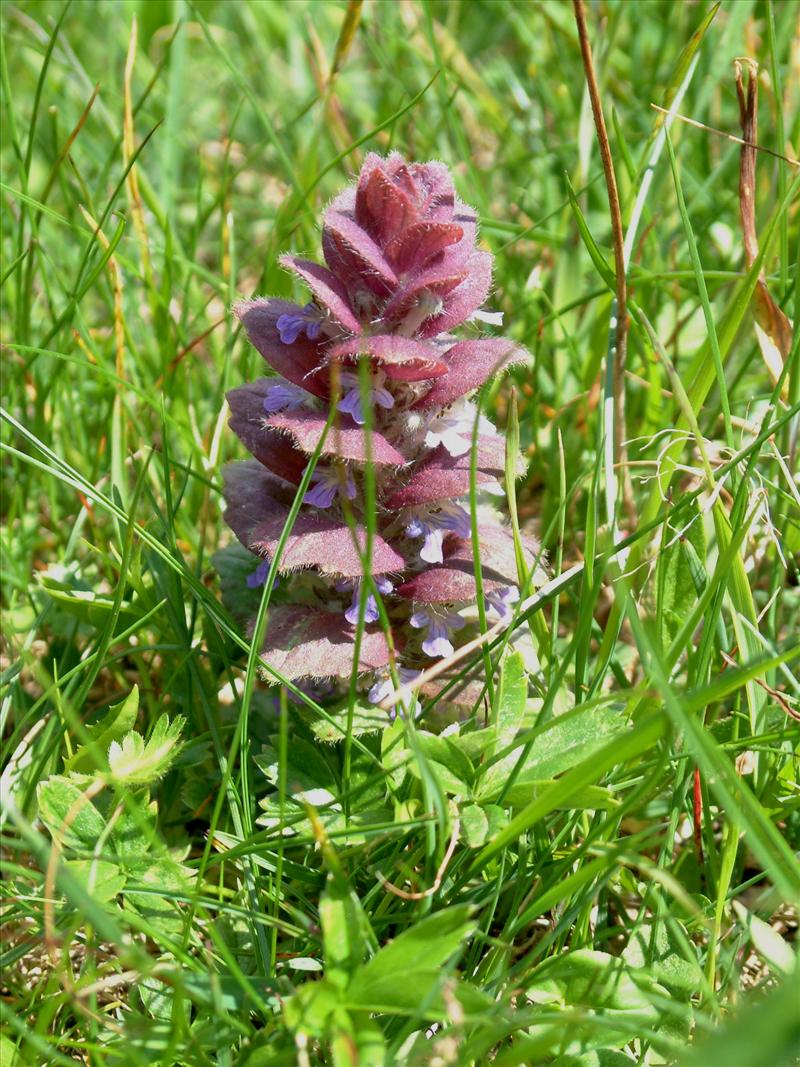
(419, 955)
(117, 721)
(134, 761)
(69, 815)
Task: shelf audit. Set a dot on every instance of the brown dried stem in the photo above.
(618, 238)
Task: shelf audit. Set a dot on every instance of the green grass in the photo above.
(561, 910)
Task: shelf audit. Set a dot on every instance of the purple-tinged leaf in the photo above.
(465, 693)
(249, 422)
(401, 358)
(453, 580)
(464, 299)
(381, 207)
(469, 365)
(435, 281)
(346, 442)
(303, 642)
(445, 477)
(327, 289)
(435, 195)
(297, 362)
(258, 507)
(354, 257)
(324, 544)
(416, 246)
(253, 496)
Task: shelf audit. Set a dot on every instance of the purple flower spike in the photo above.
(307, 320)
(439, 626)
(327, 484)
(402, 274)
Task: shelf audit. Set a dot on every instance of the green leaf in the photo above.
(136, 761)
(101, 879)
(411, 965)
(590, 797)
(600, 980)
(448, 752)
(70, 817)
(133, 830)
(10, 1055)
(235, 564)
(567, 740)
(164, 875)
(343, 930)
(761, 1032)
(366, 720)
(596, 256)
(93, 755)
(357, 1033)
(86, 605)
(306, 770)
(659, 951)
(679, 568)
(310, 1010)
(642, 736)
(767, 942)
(511, 697)
(448, 782)
(474, 825)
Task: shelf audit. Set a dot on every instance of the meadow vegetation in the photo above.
(596, 865)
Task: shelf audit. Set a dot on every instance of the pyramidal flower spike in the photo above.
(402, 272)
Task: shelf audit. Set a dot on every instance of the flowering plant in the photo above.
(373, 383)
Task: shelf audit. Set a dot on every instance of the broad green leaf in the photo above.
(568, 740)
(361, 1037)
(235, 564)
(448, 782)
(114, 724)
(511, 697)
(312, 1007)
(101, 879)
(474, 825)
(416, 957)
(767, 942)
(591, 797)
(133, 829)
(71, 818)
(448, 752)
(659, 952)
(163, 875)
(224, 991)
(306, 769)
(763, 1031)
(599, 1057)
(366, 720)
(343, 930)
(413, 992)
(600, 980)
(634, 741)
(86, 605)
(10, 1056)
